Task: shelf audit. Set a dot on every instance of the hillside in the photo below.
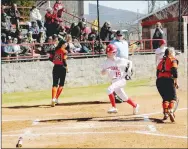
(114, 16)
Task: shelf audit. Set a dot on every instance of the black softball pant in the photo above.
(166, 89)
(59, 74)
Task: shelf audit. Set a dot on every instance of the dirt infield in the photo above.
(87, 125)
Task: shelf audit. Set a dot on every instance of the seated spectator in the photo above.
(70, 47)
(55, 39)
(3, 42)
(16, 47)
(30, 37)
(8, 49)
(27, 49)
(86, 47)
(77, 46)
(93, 35)
(76, 32)
(48, 48)
(62, 34)
(85, 30)
(19, 36)
(34, 29)
(36, 16)
(15, 15)
(71, 28)
(41, 39)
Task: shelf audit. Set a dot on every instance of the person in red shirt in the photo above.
(58, 8)
(59, 70)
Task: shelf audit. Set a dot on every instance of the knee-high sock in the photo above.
(59, 90)
(54, 92)
(132, 103)
(171, 105)
(112, 100)
(165, 106)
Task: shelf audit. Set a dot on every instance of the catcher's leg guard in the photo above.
(171, 110)
(165, 105)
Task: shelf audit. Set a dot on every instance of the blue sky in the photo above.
(140, 6)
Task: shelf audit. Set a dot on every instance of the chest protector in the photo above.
(164, 67)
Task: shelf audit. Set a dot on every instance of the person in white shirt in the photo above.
(115, 68)
(122, 45)
(159, 52)
(36, 16)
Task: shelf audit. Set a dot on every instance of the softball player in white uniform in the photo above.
(115, 68)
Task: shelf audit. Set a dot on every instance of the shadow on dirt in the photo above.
(60, 104)
(156, 120)
(99, 119)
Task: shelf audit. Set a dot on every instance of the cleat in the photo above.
(135, 110)
(112, 110)
(165, 117)
(56, 101)
(53, 102)
(172, 116)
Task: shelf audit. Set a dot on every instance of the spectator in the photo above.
(15, 15)
(93, 35)
(16, 47)
(55, 39)
(34, 29)
(86, 30)
(157, 35)
(58, 8)
(19, 36)
(49, 22)
(40, 39)
(62, 32)
(70, 47)
(159, 52)
(3, 42)
(76, 32)
(71, 28)
(106, 32)
(77, 46)
(121, 45)
(48, 48)
(36, 16)
(30, 37)
(5, 22)
(8, 49)
(27, 49)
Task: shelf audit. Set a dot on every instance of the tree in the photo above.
(20, 3)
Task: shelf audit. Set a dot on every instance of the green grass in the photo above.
(91, 93)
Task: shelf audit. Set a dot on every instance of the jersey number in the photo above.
(118, 73)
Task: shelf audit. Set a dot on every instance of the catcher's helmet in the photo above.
(111, 48)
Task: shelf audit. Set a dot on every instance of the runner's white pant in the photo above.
(118, 86)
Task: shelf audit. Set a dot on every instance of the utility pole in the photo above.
(180, 28)
(98, 26)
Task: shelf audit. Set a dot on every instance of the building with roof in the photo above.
(175, 31)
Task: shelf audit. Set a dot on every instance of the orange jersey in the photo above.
(59, 56)
(165, 65)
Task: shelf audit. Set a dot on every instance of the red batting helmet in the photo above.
(111, 48)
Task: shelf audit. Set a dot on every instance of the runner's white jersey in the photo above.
(116, 68)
